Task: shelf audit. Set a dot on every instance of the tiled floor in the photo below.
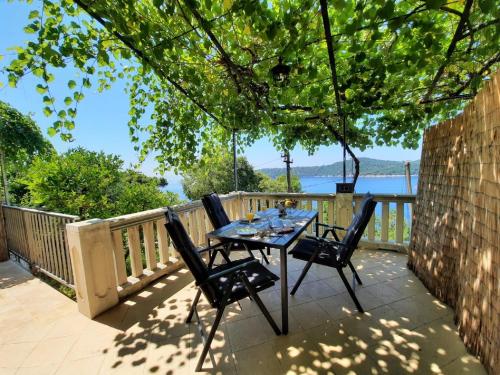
(404, 331)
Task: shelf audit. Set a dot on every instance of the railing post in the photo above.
(344, 209)
(4, 251)
(91, 251)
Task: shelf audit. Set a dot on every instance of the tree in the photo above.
(203, 68)
(20, 140)
(216, 175)
(278, 184)
(92, 184)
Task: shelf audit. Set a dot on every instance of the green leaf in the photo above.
(47, 111)
(41, 89)
(51, 131)
(71, 84)
(487, 6)
(434, 4)
(227, 4)
(387, 10)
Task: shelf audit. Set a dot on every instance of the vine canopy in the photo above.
(198, 69)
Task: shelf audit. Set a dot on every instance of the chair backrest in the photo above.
(357, 227)
(188, 252)
(215, 210)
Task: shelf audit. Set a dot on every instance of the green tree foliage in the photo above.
(91, 184)
(20, 140)
(201, 68)
(217, 175)
(278, 184)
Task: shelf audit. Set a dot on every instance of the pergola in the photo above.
(386, 69)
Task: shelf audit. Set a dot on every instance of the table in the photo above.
(299, 218)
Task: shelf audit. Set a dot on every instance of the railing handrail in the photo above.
(391, 197)
(136, 218)
(285, 194)
(41, 212)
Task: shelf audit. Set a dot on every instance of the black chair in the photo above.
(221, 285)
(219, 218)
(336, 253)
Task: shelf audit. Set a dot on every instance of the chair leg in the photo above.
(302, 275)
(355, 273)
(268, 250)
(349, 289)
(264, 256)
(193, 306)
(209, 339)
(262, 307)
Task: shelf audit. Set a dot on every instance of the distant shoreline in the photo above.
(361, 175)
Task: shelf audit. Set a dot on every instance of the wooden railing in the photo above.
(116, 257)
(39, 238)
(142, 251)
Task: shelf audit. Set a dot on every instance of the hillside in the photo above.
(368, 167)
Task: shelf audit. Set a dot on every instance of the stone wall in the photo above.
(455, 244)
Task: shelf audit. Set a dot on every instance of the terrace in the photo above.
(373, 73)
(404, 330)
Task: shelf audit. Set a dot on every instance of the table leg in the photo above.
(317, 226)
(284, 292)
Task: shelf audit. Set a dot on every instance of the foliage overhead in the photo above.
(90, 185)
(216, 175)
(201, 67)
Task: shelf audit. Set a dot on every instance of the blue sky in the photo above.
(102, 117)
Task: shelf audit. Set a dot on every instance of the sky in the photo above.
(101, 123)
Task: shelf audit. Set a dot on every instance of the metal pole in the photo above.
(333, 69)
(235, 162)
(408, 177)
(408, 185)
(286, 159)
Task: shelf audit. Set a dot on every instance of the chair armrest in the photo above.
(228, 271)
(330, 226)
(217, 246)
(325, 240)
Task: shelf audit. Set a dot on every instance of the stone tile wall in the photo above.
(455, 244)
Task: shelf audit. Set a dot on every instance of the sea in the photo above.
(325, 184)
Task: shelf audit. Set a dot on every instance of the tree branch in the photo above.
(146, 59)
(485, 67)
(453, 44)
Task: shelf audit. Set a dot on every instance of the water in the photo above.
(374, 185)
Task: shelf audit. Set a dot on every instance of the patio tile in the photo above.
(38, 370)
(220, 358)
(466, 365)
(170, 353)
(357, 363)
(298, 353)
(338, 306)
(84, 366)
(50, 351)
(249, 332)
(258, 359)
(309, 315)
(13, 355)
(404, 330)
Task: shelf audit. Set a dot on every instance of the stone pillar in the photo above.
(91, 251)
(4, 252)
(343, 210)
